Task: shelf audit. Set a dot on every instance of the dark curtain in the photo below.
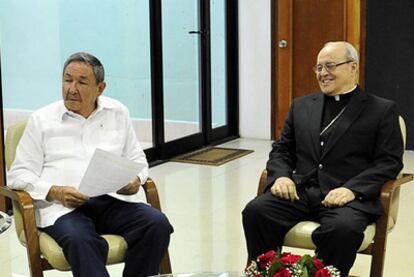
(390, 56)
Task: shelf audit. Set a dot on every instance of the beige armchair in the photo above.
(42, 251)
(375, 235)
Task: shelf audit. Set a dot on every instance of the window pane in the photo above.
(35, 45)
(180, 68)
(218, 63)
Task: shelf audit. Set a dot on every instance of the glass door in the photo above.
(181, 68)
(218, 64)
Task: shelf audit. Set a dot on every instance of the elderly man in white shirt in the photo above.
(52, 157)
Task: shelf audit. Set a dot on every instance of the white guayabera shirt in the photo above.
(56, 148)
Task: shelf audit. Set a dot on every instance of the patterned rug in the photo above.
(212, 156)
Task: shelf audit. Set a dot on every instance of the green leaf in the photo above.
(304, 272)
(273, 268)
(307, 262)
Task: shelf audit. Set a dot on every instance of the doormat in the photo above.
(212, 156)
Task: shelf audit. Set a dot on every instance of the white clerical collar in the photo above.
(338, 97)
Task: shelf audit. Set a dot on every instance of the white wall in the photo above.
(254, 68)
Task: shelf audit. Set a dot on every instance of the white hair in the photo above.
(351, 53)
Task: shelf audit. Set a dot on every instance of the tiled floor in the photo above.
(204, 203)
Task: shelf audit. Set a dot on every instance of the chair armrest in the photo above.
(25, 206)
(262, 183)
(387, 191)
(381, 231)
(393, 184)
(21, 197)
(151, 193)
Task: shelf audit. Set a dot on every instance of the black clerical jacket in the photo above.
(364, 149)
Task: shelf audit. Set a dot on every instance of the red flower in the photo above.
(283, 272)
(323, 272)
(318, 263)
(289, 259)
(266, 259)
(272, 264)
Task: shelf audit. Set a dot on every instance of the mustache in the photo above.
(73, 97)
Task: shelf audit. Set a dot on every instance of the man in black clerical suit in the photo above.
(337, 148)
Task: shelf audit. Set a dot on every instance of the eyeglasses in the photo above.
(328, 66)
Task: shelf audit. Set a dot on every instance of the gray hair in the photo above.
(351, 54)
(83, 57)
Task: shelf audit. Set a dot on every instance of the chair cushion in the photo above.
(52, 252)
(300, 236)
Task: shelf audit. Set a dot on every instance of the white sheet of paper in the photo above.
(107, 173)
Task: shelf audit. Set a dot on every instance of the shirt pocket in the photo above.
(110, 140)
(60, 147)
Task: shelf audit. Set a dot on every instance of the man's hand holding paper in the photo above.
(67, 195)
(132, 187)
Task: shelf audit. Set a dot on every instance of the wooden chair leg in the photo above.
(22, 203)
(152, 198)
(378, 257)
(165, 267)
(32, 248)
(381, 232)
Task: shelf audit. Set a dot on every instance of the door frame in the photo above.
(2, 158)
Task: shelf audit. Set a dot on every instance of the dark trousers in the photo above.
(267, 219)
(145, 229)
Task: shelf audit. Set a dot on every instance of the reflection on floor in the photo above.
(204, 204)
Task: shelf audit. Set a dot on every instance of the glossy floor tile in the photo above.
(204, 205)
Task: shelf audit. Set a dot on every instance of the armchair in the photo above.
(42, 251)
(375, 235)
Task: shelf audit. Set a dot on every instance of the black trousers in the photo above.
(145, 229)
(267, 219)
